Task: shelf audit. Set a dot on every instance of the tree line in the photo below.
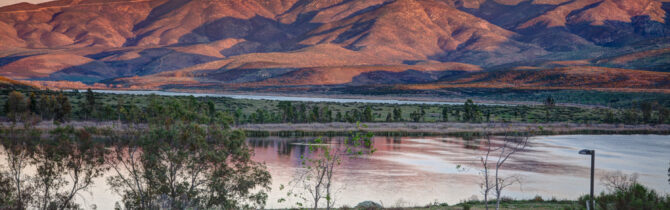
(48, 105)
(64, 106)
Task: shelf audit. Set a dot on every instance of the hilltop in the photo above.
(297, 45)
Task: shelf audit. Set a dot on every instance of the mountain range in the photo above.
(301, 44)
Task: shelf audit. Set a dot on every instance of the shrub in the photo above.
(635, 196)
(506, 199)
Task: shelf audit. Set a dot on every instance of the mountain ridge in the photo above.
(257, 43)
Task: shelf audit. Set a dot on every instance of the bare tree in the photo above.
(319, 168)
(486, 184)
(618, 181)
(500, 151)
(317, 179)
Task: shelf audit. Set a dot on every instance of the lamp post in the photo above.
(593, 161)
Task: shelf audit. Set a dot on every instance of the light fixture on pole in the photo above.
(593, 160)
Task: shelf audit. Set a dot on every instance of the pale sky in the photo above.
(10, 2)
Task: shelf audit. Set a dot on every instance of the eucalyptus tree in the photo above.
(66, 163)
(90, 104)
(17, 144)
(65, 160)
(15, 106)
(186, 159)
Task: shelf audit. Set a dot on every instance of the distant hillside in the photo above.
(154, 44)
(6, 83)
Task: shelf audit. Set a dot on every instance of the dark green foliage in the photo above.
(15, 106)
(63, 108)
(188, 157)
(471, 112)
(33, 103)
(90, 105)
(327, 115)
(445, 114)
(185, 154)
(66, 161)
(609, 117)
(7, 200)
(630, 116)
(135, 108)
(367, 115)
(635, 196)
(47, 106)
(663, 115)
(315, 116)
(549, 104)
(416, 116)
(646, 108)
(356, 116)
(288, 111)
(190, 166)
(397, 114)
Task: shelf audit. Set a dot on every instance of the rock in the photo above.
(368, 205)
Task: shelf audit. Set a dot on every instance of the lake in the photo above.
(416, 171)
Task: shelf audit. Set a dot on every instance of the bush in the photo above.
(505, 199)
(538, 198)
(635, 196)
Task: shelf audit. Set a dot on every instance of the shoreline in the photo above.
(398, 128)
(449, 129)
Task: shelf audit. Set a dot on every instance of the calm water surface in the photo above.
(417, 171)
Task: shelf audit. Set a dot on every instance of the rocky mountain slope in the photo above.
(154, 44)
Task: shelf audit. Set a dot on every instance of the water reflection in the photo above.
(47, 171)
(423, 170)
(404, 170)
